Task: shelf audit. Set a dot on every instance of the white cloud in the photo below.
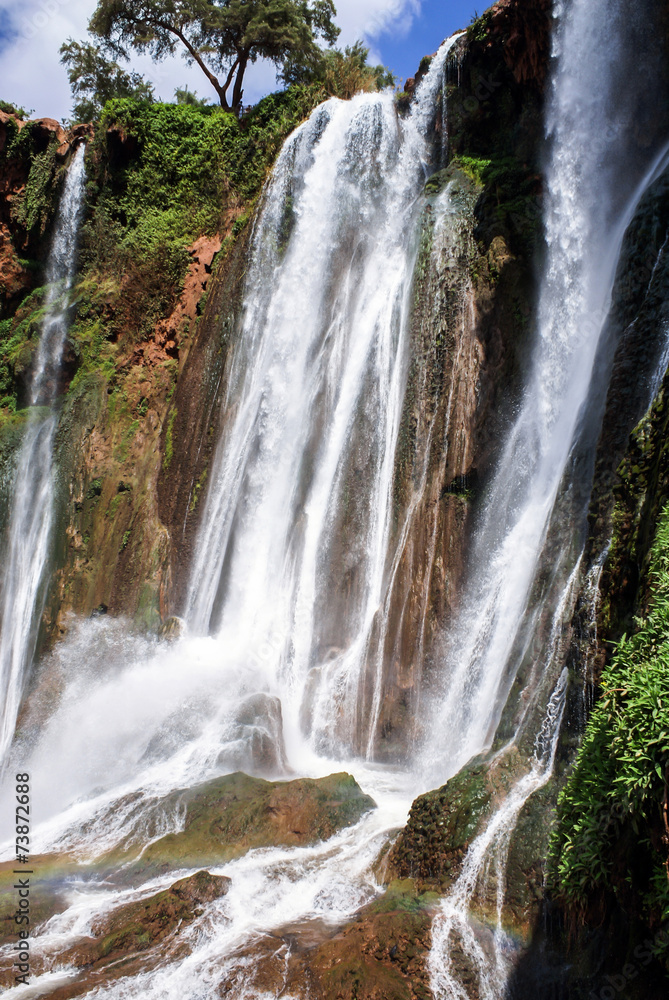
(31, 74)
(370, 18)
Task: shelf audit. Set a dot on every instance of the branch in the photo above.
(231, 74)
(213, 80)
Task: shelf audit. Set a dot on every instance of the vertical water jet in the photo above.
(29, 532)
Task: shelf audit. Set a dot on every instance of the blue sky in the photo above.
(436, 20)
(398, 32)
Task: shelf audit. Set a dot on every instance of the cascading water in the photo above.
(294, 562)
(32, 503)
(300, 494)
(591, 196)
(313, 406)
(589, 206)
(452, 927)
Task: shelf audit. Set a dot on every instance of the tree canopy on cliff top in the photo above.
(95, 80)
(221, 36)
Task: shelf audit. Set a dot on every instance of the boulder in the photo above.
(229, 816)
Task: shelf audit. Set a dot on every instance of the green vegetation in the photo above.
(473, 167)
(13, 109)
(611, 834)
(479, 27)
(197, 489)
(35, 152)
(18, 339)
(159, 177)
(189, 166)
(343, 74)
(169, 446)
(182, 95)
(220, 36)
(94, 80)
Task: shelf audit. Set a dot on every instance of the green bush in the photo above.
(187, 167)
(33, 208)
(610, 832)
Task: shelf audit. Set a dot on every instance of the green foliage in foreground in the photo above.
(610, 835)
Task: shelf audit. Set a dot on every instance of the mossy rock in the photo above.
(47, 883)
(139, 926)
(443, 823)
(228, 816)
(381, 954)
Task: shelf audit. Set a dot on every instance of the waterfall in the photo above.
(291, 571)
(293, 547)
(297, 551)
(590, 201)
(591, 196)
(26, 557)
(488, 856)
(292, 565)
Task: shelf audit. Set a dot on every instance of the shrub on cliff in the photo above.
(613, 827)
(342, 74)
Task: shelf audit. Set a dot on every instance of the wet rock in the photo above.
(136, 927)
(380, 955)
(46, 884)
(257, 738)
(526, 33)
(443, 823)
(231, 815)
(172, 628)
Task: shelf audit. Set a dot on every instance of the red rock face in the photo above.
(16, 280)
(525, 28)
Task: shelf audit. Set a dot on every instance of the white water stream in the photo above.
(311, 416)
(314, 395)
(584, 226)
(26, 555)
(486, 861)
(585, 223)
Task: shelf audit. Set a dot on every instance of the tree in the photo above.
(94, 80)
(183, 95)
(342, 74)
(221, 36)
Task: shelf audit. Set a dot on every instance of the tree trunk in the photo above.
(238, 92)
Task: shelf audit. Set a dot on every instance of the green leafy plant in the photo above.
(610, 832)
(220, 36)
(94, 80)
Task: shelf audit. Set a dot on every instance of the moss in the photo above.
(479, 29)
(147, 616)
(121, 453)
(402, 894)
(94, 490)
(169, 443)
(33, 208)
(19, 337)
(199, 485)
(476, 168)
(228, 816)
